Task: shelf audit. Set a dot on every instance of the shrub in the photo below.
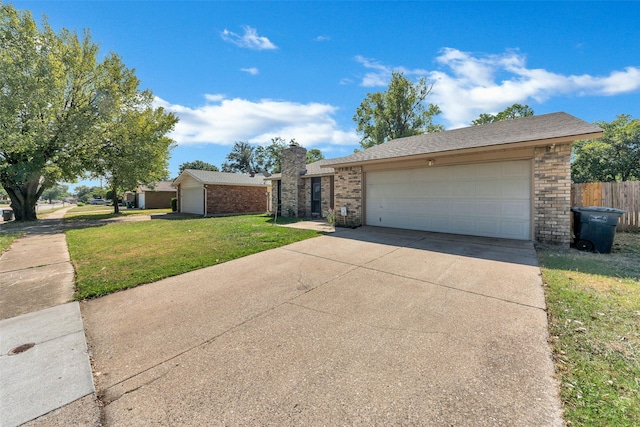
(174, 204)
(80, 204)
(331, 216)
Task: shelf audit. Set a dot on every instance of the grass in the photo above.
(594, 324)
(6, 239)
(96, 212)
(121, 256)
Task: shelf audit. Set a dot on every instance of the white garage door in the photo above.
(487, 199)
(192, 200)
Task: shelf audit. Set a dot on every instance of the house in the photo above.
(157, 196)
(302, 190)
(210, 193)
(509, 179)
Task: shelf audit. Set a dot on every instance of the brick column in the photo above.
(348, 192)
(552, 194)
(274, 195)
(293, 164)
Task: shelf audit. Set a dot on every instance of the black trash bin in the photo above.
(594, 228)
(7, 214)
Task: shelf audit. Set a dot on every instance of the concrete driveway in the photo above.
(361, 327)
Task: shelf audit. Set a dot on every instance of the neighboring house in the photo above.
(158, 197)
(210, 193)
(509, 179)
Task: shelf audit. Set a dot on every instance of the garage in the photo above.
(212, 193)
(192, 200)
(485, 199)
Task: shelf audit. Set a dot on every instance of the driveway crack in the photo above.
(370, 325)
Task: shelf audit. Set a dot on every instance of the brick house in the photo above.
(509, 179)
(157, 196)
(302, 190)
(210, 193)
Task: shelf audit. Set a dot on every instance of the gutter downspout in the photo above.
(205, 199)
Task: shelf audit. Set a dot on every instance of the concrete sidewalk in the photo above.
(45, 374)
(362, 327)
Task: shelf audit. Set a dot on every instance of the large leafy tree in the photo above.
(513, 112)
(397, 112)
(56, 192)
(268, 156)
(613, 157)
(198, 165)
(82, 192)
(63, 113)
(136, 150)
(241, 159)
(131, 146)
(314, 155)
(49, 102)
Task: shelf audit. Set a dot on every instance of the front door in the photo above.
(316, 196)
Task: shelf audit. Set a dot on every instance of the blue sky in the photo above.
(250, 71)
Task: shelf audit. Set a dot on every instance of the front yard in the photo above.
(593, 300)
(594, 326)
(120, 256)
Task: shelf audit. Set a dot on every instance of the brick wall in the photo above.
(304, 196)
(231, 199)
(158, 199)
(348, 192)
(327, 200)
(293, 164)
(274, 195)
(552, 194)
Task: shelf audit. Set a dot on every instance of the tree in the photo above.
(241, 159)
(397, 112)
(314, 155)
(82, 192)
(132, 146)
(268, 157)
(57, 192)
(50, 87)
(613, 157)
(513, 112)
(198, 165)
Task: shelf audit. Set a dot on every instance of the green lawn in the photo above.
(120, 256)
(96, 212)
(594, 322)
(6, 239)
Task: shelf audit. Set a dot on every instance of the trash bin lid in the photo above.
(597, 209)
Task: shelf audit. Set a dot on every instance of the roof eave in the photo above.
(511, 145)
(236, 184)
(180, 178)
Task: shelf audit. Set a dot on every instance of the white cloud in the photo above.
(214, 97)
(382, 73)
(468, 84)
(322, 38)
(223, 121)
(250, 39)
(253, 71)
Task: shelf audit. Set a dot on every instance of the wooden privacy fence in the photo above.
(620, 195)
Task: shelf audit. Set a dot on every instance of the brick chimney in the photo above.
(293, 164)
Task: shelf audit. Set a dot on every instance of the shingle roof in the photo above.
(313, 169)
(525, 129)
(158, 186)
(223, 178)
